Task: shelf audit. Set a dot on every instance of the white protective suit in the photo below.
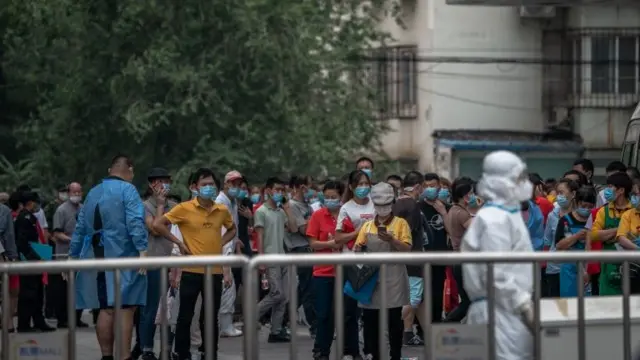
(499, 226)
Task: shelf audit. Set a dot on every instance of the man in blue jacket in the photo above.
(111, 225)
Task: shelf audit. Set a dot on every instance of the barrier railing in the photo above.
(250, 292)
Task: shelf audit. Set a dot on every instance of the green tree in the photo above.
(264, 87)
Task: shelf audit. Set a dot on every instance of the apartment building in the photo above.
(552, 83)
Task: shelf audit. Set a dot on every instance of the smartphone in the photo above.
(382, 229)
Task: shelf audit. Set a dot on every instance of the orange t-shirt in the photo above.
(320, 226)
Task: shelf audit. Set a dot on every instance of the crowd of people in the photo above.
(414, 212)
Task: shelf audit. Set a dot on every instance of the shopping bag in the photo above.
(172, 299)
(365, 291)
(450, 294)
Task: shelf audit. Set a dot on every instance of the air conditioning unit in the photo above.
(539, 12)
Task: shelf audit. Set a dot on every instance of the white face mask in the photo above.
(63, 196)
(523, 191)
(75, 199)
(383, 210)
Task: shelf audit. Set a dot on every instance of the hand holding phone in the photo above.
(382, 229)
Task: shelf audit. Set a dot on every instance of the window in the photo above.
(614, 64)
(396, 82)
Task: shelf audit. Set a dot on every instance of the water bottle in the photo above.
(264, 282)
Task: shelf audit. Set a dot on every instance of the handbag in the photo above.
(361, 279)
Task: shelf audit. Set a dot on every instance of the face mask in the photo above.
(208, 192)
(242, 194)
(233, 192)
(563, 201)
(635, 200)
(443, 194)
(75, 199)
(523, 191)
(383, 210)
(430, 193)
(369, 172)
(166, 187)
(277, 198)
(63, 196)
(609, 194)
(361, 192)
(309, 194)
(255, 198)
(473, 201)
(584, 212)
(332, 204)
(194, 193)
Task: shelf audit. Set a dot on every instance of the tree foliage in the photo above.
(259, 86)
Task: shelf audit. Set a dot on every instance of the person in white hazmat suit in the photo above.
(499, 226)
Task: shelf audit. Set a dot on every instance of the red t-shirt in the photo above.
(320, 226)
(545, 206)
(254, 235)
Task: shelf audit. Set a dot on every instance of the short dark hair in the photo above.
(431, 177)
(394, 177)
(536, 179)
(413, 178)
(461, 187)
(621, 180)
(582, 178)
(586, 194)
(203, 173)
(616, 166)
(299, 180)
(121, 159)
(27, 196)
(23, 187)
(586, 164)
(15, 201)
(364, 158)
(272, 181)
(334, 185)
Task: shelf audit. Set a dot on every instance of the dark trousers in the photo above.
(595, 284)
(461, 310)
(191, 286)
(306, 291)
(58, 286)
(371, 328)
(31, 302)
(552, 284)
(325, 319)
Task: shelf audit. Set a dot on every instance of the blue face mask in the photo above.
(309, 194)
(361, 192)
(369, 172)
(443, 194)
(255, 198)
(563, 201)
(277, 198)
(635, 200)
(166, 187)
(584, 212)
(242, 194)
(609, 194)
(208, 192)
(430, 193)
(233, 192)
(473, 200)
(332, 204)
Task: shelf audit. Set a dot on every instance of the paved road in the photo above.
(230, 348)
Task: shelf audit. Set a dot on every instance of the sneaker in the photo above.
(415, 341)
(280, 337)
(233, 332)
(136, 352)
(148, 355)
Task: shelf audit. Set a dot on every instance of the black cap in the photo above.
(158, 173)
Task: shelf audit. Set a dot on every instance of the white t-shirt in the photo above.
(42, 219)
(175, 231)
(358, 214)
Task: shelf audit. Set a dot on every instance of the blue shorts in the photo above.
(416, 290)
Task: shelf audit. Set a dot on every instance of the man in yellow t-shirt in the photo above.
(200, 221)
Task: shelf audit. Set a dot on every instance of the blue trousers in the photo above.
(149, 311)
(325, 323)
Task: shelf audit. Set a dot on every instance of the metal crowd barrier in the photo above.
(250, 292)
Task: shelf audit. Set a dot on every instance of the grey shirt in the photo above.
(273, 221)
(158, 245)
(301, 211)
(64, 221)
(7, 233)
